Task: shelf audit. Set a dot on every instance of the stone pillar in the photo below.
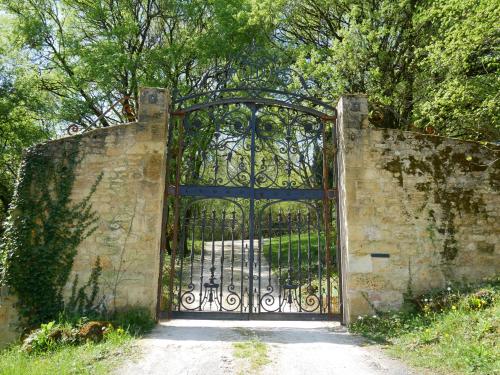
(352, 116)
(153, 105)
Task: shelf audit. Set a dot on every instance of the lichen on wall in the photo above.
(449, 172)
(417, 212)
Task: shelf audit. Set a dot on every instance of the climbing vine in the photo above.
(43, 231)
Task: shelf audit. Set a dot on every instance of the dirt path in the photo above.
(191, 347)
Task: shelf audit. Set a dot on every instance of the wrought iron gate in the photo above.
(251, 202)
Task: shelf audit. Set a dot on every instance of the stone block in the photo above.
(360, 264)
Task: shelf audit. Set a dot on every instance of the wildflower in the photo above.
(448, 289)
(374, 316)
(453, 307)
(360, 317)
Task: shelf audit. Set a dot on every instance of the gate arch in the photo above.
(251, 136)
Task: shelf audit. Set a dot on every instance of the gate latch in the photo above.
(331, 193)
(171, 190)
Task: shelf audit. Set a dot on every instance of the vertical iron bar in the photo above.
(223, 225)
(242, 281)
(260, 262)
(280, 225)
(299, 259)
(309, 248)
(252, 210)
(233, 225)
(320, 264)
(192, 247)
(175, 239)
(212, 261)
(290, 268)
(184, 230)
(202, 257)
(326, 218)
(270, 247)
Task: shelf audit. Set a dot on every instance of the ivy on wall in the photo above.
(43, 231)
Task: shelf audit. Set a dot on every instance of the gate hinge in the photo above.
(327, 118)
(171, 190)
(179, 113)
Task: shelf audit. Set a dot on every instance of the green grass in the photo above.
(293, 240)
(285, 240)
(253, 354)
(89, 358)
(454, 331)
(70, 354)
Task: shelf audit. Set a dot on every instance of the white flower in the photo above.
(360, 317)
(375, 316)
(448, 289)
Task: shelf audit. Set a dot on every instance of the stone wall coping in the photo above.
(491, 146)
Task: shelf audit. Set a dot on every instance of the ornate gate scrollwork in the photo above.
(252, 191)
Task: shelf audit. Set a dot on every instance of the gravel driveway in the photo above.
(191, 347)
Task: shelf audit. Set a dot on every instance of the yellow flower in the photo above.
(453, 307)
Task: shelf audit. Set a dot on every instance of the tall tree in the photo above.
(427, 64)
(93, 53)
(87, 55)
(24, 114)
(356, 46)
(458, 82)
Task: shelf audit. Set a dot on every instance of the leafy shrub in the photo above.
(49, 336)
(454, 329)
(136, 321)
(465, 296)
(479, 300)
(73, 330)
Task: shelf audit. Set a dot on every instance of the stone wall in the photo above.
(128, 202)
(8, 318)
(417, 211)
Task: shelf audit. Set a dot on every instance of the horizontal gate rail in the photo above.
(244, 192)
(205, 315)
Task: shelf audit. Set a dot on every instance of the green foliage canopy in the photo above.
(428, 64)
